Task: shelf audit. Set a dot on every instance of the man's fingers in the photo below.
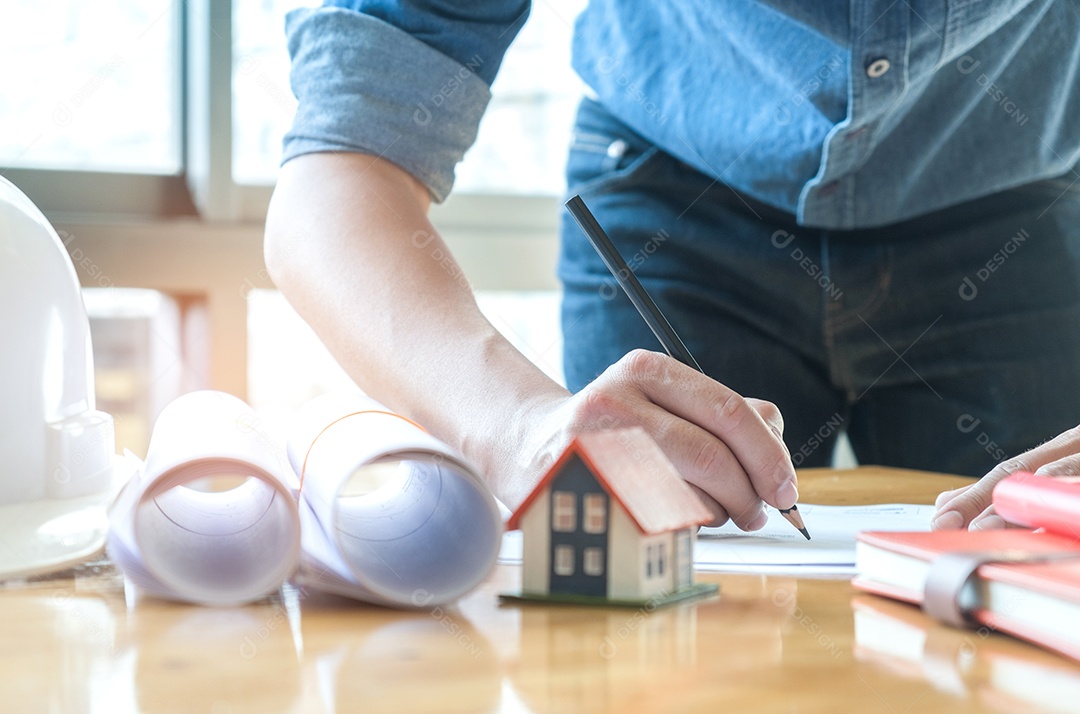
(729, 447)
(771, 414)
(696, 398)
(1060, 448)
(946, 496)
(987, 521)
(1057, 457)
(707, 463)
(959, 511)
(1068, 466)
(720, 516)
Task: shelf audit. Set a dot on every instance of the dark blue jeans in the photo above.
(946, 343)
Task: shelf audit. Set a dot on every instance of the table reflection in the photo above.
(380, 660)
(576, 659)
(62, 642)
(998, 671)
(195, 659)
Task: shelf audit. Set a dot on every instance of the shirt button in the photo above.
(877, 68)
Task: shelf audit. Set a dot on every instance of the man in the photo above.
(862, 212)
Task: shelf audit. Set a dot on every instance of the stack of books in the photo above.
(1028, 582)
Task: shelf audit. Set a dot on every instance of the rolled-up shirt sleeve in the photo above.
(367, 85)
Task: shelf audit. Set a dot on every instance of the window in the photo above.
(152, 110)
(136, 336)
(527, 123)
(199, 92)
(594, 561)
(655, 559)
(564, 517)
(91, 86)
(564, 560)
(263, 104)
(287, 364)
(529, 118)
(595, 513)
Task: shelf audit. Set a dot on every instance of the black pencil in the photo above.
(633, 288)
(645, 305)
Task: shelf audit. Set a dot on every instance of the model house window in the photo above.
(594, 561)
(564, 519)
(595, 513)
(655, 559)
(564, 560)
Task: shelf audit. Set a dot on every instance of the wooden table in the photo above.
(766, 644)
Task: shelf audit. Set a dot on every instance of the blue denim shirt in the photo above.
(846, 113)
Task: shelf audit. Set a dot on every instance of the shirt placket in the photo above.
(879, 68)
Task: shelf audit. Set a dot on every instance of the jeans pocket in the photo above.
(603, 153)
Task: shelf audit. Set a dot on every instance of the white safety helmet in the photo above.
(57, 451)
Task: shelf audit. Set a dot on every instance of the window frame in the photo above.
(563, 560)
(564, 512)
(593, 561)
(205, 188)
(594, 517)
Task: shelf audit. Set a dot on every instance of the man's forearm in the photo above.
(349, 243)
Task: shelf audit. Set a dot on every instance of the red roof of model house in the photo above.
(634, 471)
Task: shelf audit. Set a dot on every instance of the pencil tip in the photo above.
(805, 533)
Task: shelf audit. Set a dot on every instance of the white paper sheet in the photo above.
(174, 539)
(779, 549)
(390, 514)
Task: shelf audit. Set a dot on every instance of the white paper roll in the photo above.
(217, 547)
(391, 514)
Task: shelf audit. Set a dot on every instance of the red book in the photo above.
(1038, 602)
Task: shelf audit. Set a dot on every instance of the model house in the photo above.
(611, 520)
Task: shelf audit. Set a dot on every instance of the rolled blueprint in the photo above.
(390, 514)
(210, 517)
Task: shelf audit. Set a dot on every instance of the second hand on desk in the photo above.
(645, 305)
